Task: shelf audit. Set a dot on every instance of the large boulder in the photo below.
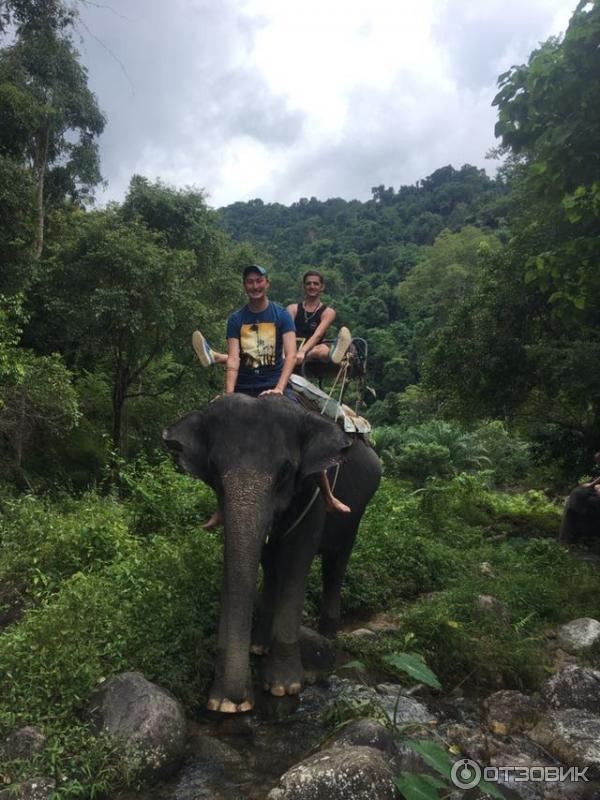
(25, 743)
(146, 718)
(338, 773)
(571, 736)
(317, 653)
(365, 732)
(573, 687)
(579, 635)
(509, 711)
(41, 788)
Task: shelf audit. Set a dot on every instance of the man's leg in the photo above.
(206, 355)
(319, 352)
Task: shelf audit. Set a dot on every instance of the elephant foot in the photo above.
(228, 707)
(229, 699)
(328, 626)
(283, 673)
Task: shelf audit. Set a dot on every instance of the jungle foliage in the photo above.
(479, 298)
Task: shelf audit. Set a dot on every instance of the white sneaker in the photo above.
(340, 346)
(203, 350)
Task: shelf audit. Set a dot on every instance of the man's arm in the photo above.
(289, 350)
(233, 364)
(326, 321)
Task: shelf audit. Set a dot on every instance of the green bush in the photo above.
(160, 498)
(443, 449)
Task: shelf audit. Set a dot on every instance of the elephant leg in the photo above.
(333, 570)
(283, 672)
(217, 700)
(262, 633)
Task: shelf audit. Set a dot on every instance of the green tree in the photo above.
(117, 298)
(549, 115)
(51, 119)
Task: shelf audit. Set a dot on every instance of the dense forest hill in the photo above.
(331, 232)
(369, 251)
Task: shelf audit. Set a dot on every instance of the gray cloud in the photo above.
(184, 99)
(483, 39)
(174, 82)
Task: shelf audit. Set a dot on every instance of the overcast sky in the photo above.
(282, 99)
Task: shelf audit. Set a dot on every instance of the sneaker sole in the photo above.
(202, 350)
(341, 345)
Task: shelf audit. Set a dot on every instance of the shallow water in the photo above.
(242, 756)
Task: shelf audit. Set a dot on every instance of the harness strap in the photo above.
(311, 503)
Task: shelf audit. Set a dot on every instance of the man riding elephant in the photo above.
(261, 356)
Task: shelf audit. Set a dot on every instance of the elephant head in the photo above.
(581, 515)
(258, 455)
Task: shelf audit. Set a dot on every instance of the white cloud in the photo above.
(286, 98)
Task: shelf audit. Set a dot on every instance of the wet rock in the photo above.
(365, 733)
(579, 635)
(571, 736)
(363, 633)
(562, 659)
(471, 740)
(509, 712)
(146, 718)
(31, 789)
(387, 701)
(25, 743)
(213, 770)
(402, 709)
(383, 624)
(520, 752)
(317, 653)
(573, 687)
(339, 773)
(485, 568)
(490, 606)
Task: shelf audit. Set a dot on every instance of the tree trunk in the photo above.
(41, 162)
(119, 397)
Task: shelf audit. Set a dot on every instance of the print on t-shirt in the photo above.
(258, 345)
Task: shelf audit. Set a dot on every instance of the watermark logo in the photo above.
(466, 774)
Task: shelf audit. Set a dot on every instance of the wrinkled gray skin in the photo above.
(262, 457)
(581, 516)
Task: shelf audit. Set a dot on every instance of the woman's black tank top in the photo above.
(307, 322)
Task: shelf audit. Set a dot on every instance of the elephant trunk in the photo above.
(247, 513)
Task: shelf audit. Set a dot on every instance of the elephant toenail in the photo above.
(278, 691)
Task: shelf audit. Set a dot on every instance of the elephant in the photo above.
(581, 515)
(262, 457)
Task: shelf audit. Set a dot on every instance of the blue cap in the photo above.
(254, 268)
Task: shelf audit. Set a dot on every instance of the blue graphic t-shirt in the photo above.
(261, 344)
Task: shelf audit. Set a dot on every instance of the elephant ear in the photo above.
(187, 442)
(323, 444)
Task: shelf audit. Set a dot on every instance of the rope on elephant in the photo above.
(343, 374)
(311, 503)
